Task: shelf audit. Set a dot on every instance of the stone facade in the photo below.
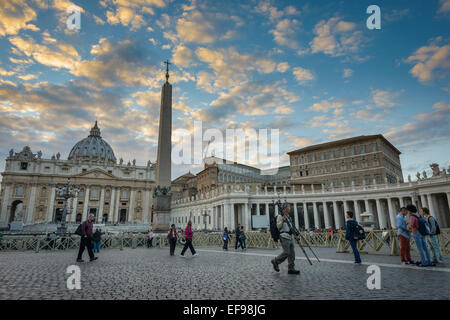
(114, 192)
(363, 160)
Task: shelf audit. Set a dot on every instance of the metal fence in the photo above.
(375, 241)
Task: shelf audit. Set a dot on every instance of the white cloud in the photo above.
(430, 61)
(303, 75)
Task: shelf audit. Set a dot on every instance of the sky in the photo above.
(311, 69)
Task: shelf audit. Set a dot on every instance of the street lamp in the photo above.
(66, 192)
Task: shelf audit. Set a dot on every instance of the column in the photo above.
(346, 208)
(131, 206)
(326, 214)
(380, 214)
(267, 213)
(231, 214)
(401, 202)
(51, 205)
(257, 209)
(5, 201)
(424, 201)
(73, 217)
(336, 215)
(111, 205)
(357, 211)
(30, 206)
(392, 216)
(116, 207)
(316, 216)
(102, 203)
(86, 203)
(247, 218)
(305, 215)
(146, 213)
(296, 216)
(366, 204)
(276, 209)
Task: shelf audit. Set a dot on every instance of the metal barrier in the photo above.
(375, 241)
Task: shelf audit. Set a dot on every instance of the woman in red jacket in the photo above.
(188, 237)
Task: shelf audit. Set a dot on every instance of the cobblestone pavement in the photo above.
(152, 274)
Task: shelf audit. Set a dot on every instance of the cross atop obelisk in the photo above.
(167, 69)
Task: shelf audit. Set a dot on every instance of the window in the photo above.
(124, 194)
(341, 153)
(84, 170)
(366, 180)
(94, 193)
(23, 165)
(107, 194)
(19, 191)
(378, 179)
(362, 149)
(46, 169)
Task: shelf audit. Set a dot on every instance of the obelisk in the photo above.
(162, 194)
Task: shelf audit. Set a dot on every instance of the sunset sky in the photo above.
(309, 68)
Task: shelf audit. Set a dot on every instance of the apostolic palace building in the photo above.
(362, 174)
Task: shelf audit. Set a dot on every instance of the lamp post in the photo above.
(66, 192)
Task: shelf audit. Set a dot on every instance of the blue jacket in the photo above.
(351, 224)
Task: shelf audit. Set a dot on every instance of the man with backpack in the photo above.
(432, 239)
(351, 234)
(419, 229)
(285, 236)
(238, 242)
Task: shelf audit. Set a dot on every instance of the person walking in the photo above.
(52, 240)
(243, 239)
(287, 244)
(432, 239)
(238, 242)
(350, 235)
(172, 236)
(404, 235)
(150, 239)
(225, 238)
(86, 239)
(97, 238)
(419, 239)
(188, 240)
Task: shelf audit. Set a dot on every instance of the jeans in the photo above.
(225, 244)
(150, 243)
(244, 244)
(238, 243)
(355, 251)
(96, 246)
(432, 241)
(422, 247)
(173, 243)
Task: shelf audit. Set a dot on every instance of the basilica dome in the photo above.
(93, 148)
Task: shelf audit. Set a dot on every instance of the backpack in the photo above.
(78, 231)
(424, 228)
(358, 232)
(274, 232)
(438, 230)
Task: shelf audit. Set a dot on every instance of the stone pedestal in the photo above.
(161, 213)
(367, 221)
(16, 226)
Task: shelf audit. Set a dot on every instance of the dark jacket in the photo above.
(238, 232)
(351, 224)
(169, 235)
(97, 236)
(87, 228)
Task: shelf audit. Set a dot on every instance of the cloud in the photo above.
(347, 73)
(282, 67)
(182, 56)
(299, 142)
(444, 6)
(125, 62)
(58, 55)
(130, 12)
(303, 75)
(326, 105)
(266, 8)
(429, 128)
(336, 37)
(5, 73)
(385, 98)
(14, 16)
(368, 115)
(430, 61)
